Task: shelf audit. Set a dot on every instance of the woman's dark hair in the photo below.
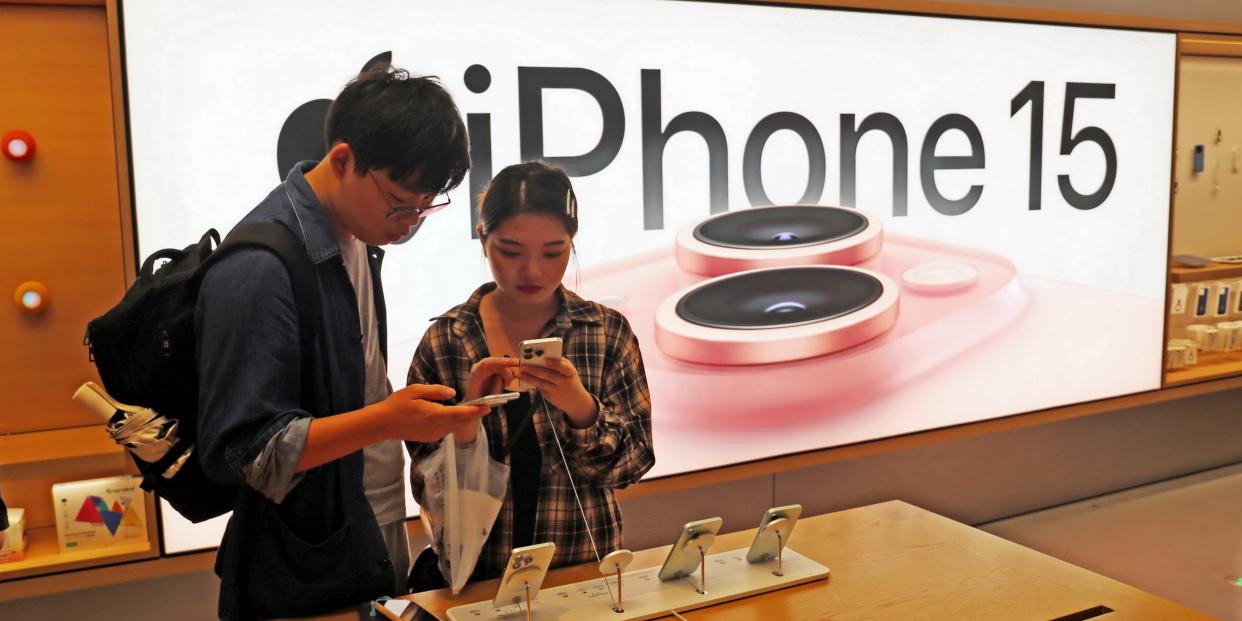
(529, 187)
(404, 124)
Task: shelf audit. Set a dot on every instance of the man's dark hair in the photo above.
(407, 125)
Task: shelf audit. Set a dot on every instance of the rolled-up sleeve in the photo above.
(274, 472)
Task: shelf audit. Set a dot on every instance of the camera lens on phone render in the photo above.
(779, 235)
(779, 298)
(780, 227)
(776, 314)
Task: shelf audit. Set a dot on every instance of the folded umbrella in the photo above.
(143, 431)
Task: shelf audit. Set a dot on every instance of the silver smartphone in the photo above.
(764, 547)
(526, 566)
(492, 401)
(537, 351)
(683, 560)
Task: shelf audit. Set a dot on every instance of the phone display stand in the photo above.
(613, 564)
(530, 604)
(778, 528)
(649, 598)
(702, 542)
(524, 575)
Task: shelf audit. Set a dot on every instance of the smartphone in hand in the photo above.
(492, 401)
(537, 352)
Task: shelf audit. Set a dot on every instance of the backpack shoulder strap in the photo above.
(292, 252)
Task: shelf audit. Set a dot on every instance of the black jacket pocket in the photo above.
(290, 576)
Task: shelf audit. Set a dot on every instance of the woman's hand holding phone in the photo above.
(487, 376)
(558, 381)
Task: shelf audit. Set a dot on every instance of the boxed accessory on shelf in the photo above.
(14, 548)
(99, 513)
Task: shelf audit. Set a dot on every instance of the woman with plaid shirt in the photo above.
(594, 399)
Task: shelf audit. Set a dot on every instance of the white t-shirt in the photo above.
(384, 469)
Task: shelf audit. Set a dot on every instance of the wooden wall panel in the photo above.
(59, 212)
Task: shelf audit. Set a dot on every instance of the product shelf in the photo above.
(1211, 271)
(40, 447)
(30, 463)
(1211, 365)
(43, 555)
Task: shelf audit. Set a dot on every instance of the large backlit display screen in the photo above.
(1006, 191)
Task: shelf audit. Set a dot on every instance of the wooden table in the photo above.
(896, 561)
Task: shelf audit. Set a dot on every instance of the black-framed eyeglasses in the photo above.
(437, 202)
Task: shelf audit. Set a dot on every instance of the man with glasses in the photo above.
(434, 203)
(319, 520)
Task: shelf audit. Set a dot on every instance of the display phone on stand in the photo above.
(766, 544)
(537, 352)
(683, 559)
(527, 567)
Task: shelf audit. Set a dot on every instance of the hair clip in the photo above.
(571, 205)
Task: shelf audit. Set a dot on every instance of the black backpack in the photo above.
(144, 349)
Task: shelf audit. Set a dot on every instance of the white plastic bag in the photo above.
(464, 489)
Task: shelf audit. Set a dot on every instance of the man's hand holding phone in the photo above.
(488, 377)
(415, 414)
(495, 400)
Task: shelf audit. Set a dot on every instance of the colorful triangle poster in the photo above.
(131, 517)
(89, 513)
(95, 511)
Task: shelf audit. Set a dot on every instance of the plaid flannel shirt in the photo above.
(611, 454)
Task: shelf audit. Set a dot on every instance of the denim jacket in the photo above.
(320, 548)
